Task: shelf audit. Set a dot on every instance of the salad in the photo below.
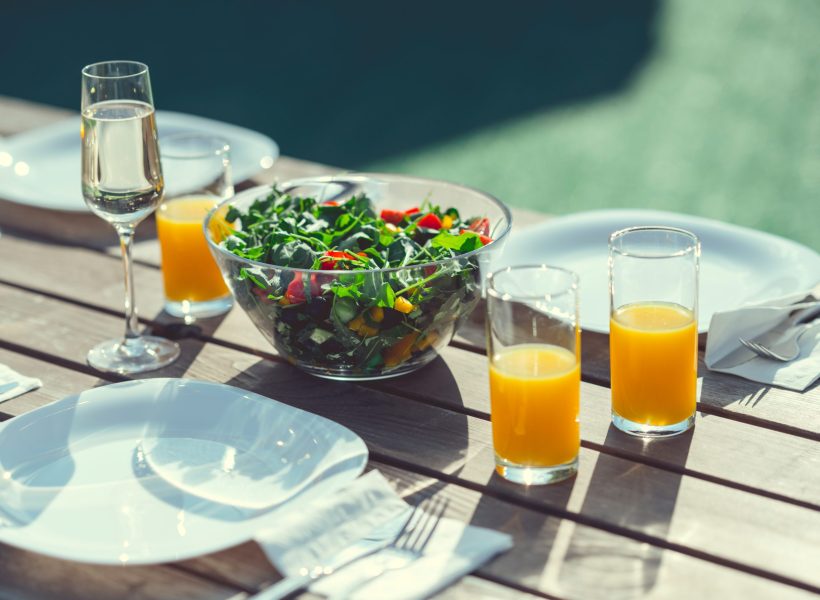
(372, 290)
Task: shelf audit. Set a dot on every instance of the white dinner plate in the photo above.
(41, 167)
(738, 265)
(159, 470)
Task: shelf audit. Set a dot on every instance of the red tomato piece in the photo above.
(329, 265)
(411, 211)
(330, 203)
(480, 226)
(430, 221)
(389, 215)
(295, 293)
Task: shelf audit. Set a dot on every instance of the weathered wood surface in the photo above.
(731, 509)
(605, 494)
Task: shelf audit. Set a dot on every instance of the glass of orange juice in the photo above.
(197, 171)
(653, 329)
(535, 372)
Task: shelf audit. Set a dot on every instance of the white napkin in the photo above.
(454, 550)
(363, 518)
(12, 384)
(754, 320)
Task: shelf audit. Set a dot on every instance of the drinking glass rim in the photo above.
(569, 289)
(694, 247)
(142, 69)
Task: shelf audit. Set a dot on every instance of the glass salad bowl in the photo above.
(361, 276)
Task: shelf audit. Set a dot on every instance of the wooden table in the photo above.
(731, 509)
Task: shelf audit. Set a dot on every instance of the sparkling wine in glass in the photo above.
(122, 183)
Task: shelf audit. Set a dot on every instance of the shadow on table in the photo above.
(722, 390)
(534, 533)
(631, 495)
(392, 426)
(189, 338)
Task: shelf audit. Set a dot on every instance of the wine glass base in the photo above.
(135, 355)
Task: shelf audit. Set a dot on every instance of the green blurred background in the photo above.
(696, 106)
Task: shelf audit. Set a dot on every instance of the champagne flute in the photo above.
(122, 183)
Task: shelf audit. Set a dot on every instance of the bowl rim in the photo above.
(362, 176)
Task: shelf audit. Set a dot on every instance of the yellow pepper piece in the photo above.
(356, 323)
(447, 222)
(377, 314)
(363, 329)
(400, 351)
(367, 331)
(391, 228)
(403, 305)
(219, 227)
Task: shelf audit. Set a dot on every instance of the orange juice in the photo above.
(188, 269)
(534, 404)
(653, 362)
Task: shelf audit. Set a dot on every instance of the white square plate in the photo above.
(160, 470)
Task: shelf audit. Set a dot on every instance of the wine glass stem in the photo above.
(126, 235)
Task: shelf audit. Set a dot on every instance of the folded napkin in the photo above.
(726, 354)
(357, 522)
(454, 550)
(12, 384)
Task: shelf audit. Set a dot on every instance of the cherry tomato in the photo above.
(329, 265)
(480, 226)
(389, 215)
(430, 221)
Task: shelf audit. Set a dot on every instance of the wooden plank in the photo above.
(26, 575)
(58, 382)
(96, 279)
(748, 457)
(570, 560)
(688, 513)
(550, 555)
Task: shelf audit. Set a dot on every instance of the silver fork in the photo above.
(407, 546)
(781, 343)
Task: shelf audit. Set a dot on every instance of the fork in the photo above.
(781, 343)
(406, 547)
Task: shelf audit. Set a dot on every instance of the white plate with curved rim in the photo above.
(41, 167)
(738, 265)
(159, 470)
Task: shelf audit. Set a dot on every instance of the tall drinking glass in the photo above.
(122, 183)
(535, 372)
(653, 330)
(197, 170)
